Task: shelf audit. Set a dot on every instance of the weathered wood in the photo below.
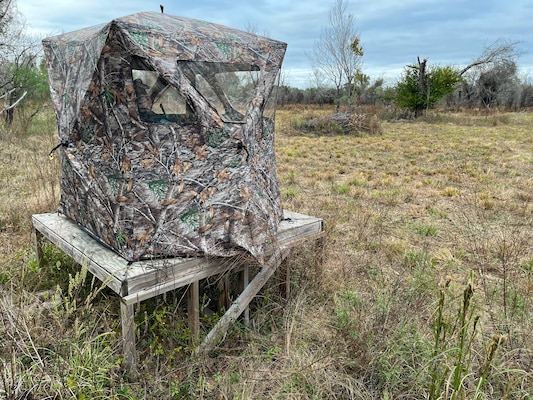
(38, 241)
(193, 310)
(244, 280)
(102, 262)
(224, 300)
(239, 305)
(142, 280)
(174, 278)
(128, 336)
(297, 228)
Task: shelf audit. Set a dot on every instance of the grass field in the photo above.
(425, 288)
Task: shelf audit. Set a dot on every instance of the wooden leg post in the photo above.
(224, 297)
(287, 266)
(193, 307)
(320, 256)
(38, 238)
(244, 280)
(128, 336)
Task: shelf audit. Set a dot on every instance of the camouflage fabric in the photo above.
(167, 132)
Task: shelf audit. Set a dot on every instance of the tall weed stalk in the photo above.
(452, 368)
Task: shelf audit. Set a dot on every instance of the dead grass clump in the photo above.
(323, 121)
(355, 124)
(358, 123)
(319, 126)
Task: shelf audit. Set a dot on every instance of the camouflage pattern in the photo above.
(200, 181)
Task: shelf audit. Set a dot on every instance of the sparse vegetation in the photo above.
(424, 289)
(358, 122)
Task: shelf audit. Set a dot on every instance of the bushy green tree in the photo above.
(421, 87)
(32, 80)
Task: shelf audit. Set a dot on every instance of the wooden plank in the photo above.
(141, 280)
(105, 264)
(147, 276)
(296, 228)
(239, 305)
(177, 279)
(223, 287)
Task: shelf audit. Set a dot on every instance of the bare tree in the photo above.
(484, 76)
(499, 51)
(337, 54)
(6, 16)
(18, 56)
(422, 81)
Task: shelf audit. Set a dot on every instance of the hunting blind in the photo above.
(166, 128)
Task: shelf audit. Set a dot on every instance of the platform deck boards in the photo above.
(141, 280)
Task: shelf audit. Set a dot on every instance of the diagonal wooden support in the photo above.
(219, 331)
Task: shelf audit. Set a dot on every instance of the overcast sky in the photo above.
(393, 33)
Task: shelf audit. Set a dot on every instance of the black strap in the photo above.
(51, 154)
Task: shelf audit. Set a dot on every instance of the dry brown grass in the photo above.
(423, 203)
(30, 181)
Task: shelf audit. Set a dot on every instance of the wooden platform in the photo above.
(141, 280)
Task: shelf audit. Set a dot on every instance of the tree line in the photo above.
(490, 80)
(498, 86)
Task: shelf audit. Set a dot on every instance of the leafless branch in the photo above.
(499, 50)
(14, 104)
